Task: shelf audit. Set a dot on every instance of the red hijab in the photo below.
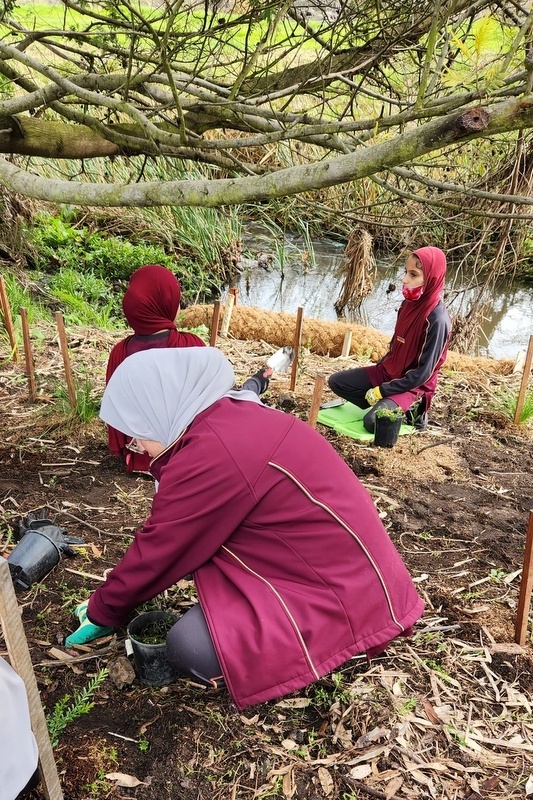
(152, 300)
(410, 330)
(150, 303)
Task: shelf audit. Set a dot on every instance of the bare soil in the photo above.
(446, 714)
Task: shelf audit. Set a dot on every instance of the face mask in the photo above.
(412, 294)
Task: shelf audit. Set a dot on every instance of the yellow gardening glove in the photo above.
(373, 396)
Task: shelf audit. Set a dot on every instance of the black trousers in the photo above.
(32, 784)
(191, 651)
(352, 385)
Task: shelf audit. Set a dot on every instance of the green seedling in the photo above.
(389, 413)
(68, 709)
(155, 632)
(497, 575)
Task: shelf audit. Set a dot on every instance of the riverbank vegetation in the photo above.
(139, 135)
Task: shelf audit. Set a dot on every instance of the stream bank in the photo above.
(309, 274)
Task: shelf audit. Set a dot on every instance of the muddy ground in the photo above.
(445, 714)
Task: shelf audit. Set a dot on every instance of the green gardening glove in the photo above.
(87, 631)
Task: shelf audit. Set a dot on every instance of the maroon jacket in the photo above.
(295, 572)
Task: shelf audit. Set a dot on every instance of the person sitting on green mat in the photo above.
(407, 375)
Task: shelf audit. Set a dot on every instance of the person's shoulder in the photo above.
(187, 339)
(439, 315)
(120, 344)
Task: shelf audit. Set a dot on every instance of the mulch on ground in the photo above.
(444, 714)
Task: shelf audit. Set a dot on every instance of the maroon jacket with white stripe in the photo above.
(295, 572)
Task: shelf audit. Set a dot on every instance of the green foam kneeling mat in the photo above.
(348, 420)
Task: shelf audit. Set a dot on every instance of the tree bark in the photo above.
(438, 133)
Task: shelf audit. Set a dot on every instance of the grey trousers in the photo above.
(191, 651)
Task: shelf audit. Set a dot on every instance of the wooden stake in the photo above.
(28, 354)
(226, 319)
(296, 345)
(8, 320)
(214, 324)
(316, 399)
(19, 656)
(66, 359)
(526, 587)
(346, 345)
(235, 292)
(525, 379)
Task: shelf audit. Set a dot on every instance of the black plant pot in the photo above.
(386, 431)
(151, 663)
(33, 558)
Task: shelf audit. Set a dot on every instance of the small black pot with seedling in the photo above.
(387, 426)
(147, 635)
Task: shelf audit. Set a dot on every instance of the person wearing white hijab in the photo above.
(18, 748)
(159, 410)
(155, 411)
(293, 569)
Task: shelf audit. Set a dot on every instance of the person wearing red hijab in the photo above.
(151, 304)
(407, 375)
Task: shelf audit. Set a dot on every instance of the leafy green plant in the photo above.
(389, 413)
(329, 690)
(70, 708)
(100, 787)
(86, 408)
(59, 244)
(407, 706)
(85, 298)
(506, 401)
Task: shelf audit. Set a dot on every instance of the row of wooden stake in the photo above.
(297, 341)
(28, 353)
(231, 301)
(222, 329)
(15, 639)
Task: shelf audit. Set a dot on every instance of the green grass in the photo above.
(527, 409)
(20, 296)
(36, 15)
(506, 403)
(86, 407)
(85, 299)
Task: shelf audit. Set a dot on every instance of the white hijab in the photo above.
(18, 748)
(156, 394)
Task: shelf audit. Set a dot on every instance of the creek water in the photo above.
(290, 280)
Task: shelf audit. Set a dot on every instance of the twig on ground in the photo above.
(436, 444)
(87, 524)
(367, 790)
(77, 659)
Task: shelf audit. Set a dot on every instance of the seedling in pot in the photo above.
(389, 413)
(155, 632)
